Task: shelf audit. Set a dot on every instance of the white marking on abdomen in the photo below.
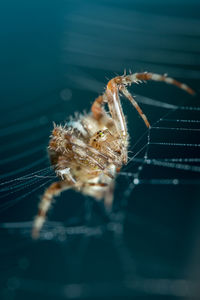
(79, 126)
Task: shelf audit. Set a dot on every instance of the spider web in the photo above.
(149, 246)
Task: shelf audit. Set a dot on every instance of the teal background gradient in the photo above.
(55, 58)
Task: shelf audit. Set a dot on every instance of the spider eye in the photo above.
(101, 134)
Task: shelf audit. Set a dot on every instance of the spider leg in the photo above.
(114, 104)
(108, 198)
(80, 150)
(157, 77)
(53, 190)
(97, 108)
(111, 96)
(119, 83)
(135, 104)
(108, 195)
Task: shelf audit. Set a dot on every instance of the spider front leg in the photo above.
(118, 84)
(135, 104)
(114, 86)
(97, 108)
(114, 104)
(53, 190)
(111, 96)
(145, 76)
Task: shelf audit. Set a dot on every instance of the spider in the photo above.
(89, 150)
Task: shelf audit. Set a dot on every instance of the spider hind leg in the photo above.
(53, 190)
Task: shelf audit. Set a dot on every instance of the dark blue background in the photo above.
(55, 58)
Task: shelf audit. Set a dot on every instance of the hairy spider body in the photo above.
(90, 150)
(86, 154)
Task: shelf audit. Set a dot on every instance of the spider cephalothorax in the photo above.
(90, 150)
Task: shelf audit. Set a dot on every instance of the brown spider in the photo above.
(90, 150)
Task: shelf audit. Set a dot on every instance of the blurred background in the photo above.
(55, 58)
